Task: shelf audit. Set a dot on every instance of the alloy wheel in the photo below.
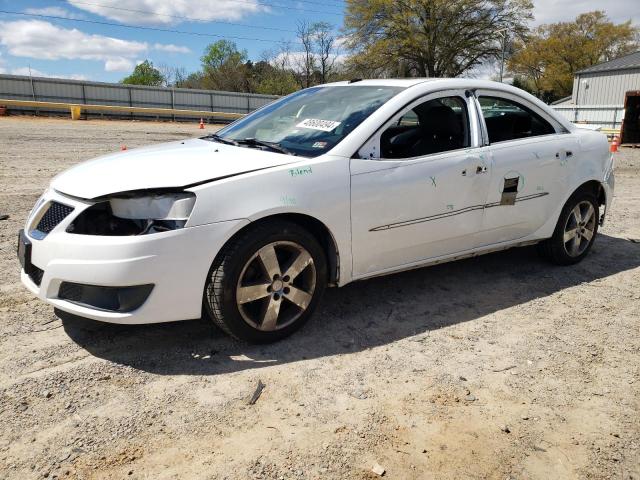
(579, 229)
(276, 286)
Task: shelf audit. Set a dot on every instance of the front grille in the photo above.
(35, 274)
(56, 213)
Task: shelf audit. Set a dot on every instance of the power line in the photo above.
(286, 7)
(179, 17)
(140, 27)
(275, 5)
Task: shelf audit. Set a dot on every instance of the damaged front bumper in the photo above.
(133, 279)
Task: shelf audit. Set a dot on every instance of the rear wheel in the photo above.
(265, 284)
(575, 231)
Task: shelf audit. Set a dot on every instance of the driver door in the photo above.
(419, 185)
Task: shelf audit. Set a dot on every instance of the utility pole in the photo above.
(503, 34)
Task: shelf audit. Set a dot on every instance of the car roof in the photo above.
(436, 83)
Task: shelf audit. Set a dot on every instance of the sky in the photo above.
(92, 39)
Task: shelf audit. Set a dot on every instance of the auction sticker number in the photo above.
(315, 124)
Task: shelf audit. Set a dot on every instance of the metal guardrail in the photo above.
(89, 93)
(76, 109)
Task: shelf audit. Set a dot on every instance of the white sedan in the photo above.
(331, 184)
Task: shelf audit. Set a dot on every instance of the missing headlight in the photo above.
(135, 215)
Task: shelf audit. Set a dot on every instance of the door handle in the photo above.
(464, 172)
(481, 169)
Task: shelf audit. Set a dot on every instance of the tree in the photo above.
(144, 74)
(225, 67)
(549, 58)
(429, 38)
(324, 42)
(193, 80)
(172, 76)
(218, 53)
(305, 61)
(269, 79)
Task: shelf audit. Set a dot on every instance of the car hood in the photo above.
(167, 165)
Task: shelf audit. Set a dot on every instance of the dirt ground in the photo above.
(500, 367)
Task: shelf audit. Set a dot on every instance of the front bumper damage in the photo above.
(134, 279)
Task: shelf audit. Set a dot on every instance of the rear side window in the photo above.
(509, 120)
(431, 127)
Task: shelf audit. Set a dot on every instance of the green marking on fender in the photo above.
(433, 180)
(287, 200)
(296, 172)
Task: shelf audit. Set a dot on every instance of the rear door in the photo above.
(529, 154)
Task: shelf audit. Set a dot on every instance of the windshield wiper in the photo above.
(219, 139)
(276, 147)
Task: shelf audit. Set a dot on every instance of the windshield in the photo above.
(309, 122)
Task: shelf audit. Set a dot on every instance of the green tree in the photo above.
(270, 80)
(223, 51)
(144, 74)
(225, 67)
(549, 57)
(429, 38)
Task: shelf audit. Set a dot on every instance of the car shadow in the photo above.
(359, 316)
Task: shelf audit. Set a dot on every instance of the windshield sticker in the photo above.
(315, 124)
(319, 145)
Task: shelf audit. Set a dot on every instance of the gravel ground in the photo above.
(499, 367)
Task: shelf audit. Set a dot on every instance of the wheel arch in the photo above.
(596, 188)
(314, 226)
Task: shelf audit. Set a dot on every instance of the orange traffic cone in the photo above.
(614, 144)
(123, 147)
(201, 124)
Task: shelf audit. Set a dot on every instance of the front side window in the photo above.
(509, 120)
(309, 122)
(434, 126)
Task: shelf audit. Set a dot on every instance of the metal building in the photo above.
(607, 83)
(599, 93)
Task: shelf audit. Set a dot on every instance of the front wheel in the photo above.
(265, 284)
(575, 231)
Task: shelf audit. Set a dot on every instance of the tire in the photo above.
(272, 269)
(564, 249)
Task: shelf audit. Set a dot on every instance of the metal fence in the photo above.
(606, 116)
(16, 87)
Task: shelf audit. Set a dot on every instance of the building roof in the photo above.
(622, 63)
(562, 100)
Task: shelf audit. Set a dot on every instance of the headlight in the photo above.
(136, 213)
(168, 206)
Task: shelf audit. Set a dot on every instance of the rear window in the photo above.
(509, 120)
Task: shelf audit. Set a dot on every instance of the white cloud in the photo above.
(43, 40)
(118, 65)
(296, 60)
(549, 11)
(37, 73)
(171, 48)
(166, 11)
(54, 12)
(28, 71)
